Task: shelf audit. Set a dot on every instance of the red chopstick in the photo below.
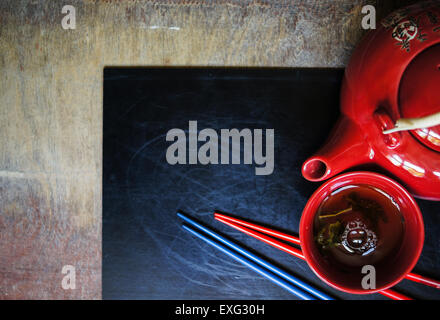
(424, 280)
(277, 244)
(410, 276)
(394, 295)
(235, 223)
(268, 231)
(254, 226)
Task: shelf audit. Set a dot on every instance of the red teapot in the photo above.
(394, 73)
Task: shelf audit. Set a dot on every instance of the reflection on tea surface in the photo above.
(358, 225)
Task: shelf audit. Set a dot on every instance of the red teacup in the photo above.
(392, 268)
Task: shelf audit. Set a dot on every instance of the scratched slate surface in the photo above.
(146, 254)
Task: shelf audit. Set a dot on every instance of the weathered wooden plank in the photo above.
(51, 106)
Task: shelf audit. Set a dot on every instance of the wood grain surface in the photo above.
(51, 94)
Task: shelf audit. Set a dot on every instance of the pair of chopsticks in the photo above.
(248, 228)
(280, 277)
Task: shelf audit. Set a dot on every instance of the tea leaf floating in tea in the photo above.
(371, 209)
(334, 234)
(330, 235)
(358, 225)
(336, 214)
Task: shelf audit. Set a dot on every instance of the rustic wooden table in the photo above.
(51, 94)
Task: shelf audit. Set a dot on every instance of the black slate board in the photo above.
(146, 254)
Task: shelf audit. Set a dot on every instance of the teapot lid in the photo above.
(419, 93)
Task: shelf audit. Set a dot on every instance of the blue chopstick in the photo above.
(296, 291)
(317, 293)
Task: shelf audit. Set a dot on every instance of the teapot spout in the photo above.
(346, 147)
